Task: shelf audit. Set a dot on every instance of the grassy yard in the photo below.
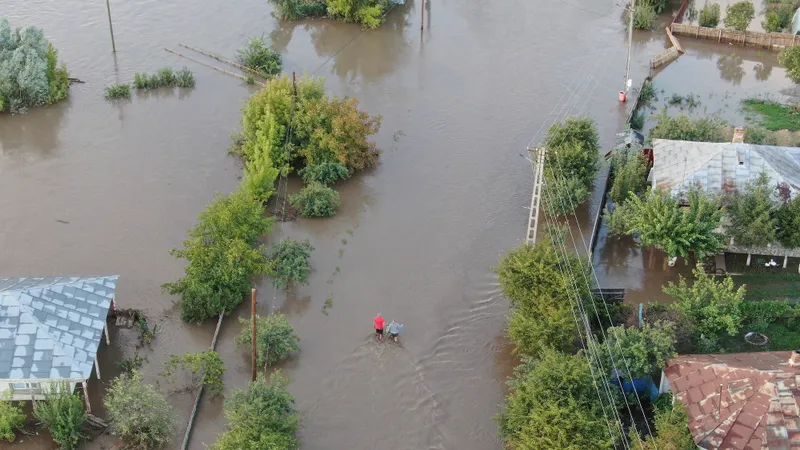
(783, 335)
(774, 116)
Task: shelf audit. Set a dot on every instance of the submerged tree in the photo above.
(572, 155)
(288, 263)
(63, 414)
(629, 169)
(751, 214)
(739, 15)
(257, 56)
(140, 414)
(275, 338)
(644, 350)
(206, 368)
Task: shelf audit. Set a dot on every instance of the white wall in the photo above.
(25, 394)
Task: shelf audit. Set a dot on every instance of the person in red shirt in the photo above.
(379, 327)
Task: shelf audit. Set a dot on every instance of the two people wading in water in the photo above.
(393, 328)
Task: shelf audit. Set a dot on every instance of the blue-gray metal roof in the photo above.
(718, 168)
(50, 328)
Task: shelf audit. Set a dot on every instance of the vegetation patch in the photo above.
(315, 200)
(774, 116)
(682, 128)
(260, 58)
(11, 418)
(118, 91)
(572, 163)
(288, 263)
(63, 414)
(139, 413)
(164, 78)
(206, 368)
(709, 15)
(369, 13)
(275, 338)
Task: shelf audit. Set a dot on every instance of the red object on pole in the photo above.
(622, 96)
(253, 331)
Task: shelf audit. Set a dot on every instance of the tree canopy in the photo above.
(315, 200)
(572, 154)
(288, 263)
(751, 214)
(643, 351)
(788, 223)
(789, 58)
(682, 128)
(739, 15)
(63, 414)
(275, 338)
(629, 169)
(139, 413)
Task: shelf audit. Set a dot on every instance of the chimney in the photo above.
(794, 360)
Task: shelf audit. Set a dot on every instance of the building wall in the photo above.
(23, 390)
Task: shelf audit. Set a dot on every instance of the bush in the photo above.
(629, 169)
(166, 77)
(140, 81)
(63, 414)
(221, 256)
(768, 311)
(573, 147)
(789, 58)
(257, 56)
(139, 413)
(299, 9)
(759, 135)
(788, 223)
(739, 15)
(29, 72)
(206, 367)
(644, 16)
(751, 214)
(637, 120)
(288, 263)
(644, 350)
(275, 338)
(772, 22)
(11, 418)
(118, 91)
(660, 221)
(563, 195)
(324, 172)
(184, 78)
(709, 15)
(315, 200)
(672, 431)
(681, 128)
(553, 404)
(617, 220)
(260, 418)
(368, 13)
(713, 305)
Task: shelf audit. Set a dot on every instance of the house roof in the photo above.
(718, 168)
(739, 401)
(50, 328)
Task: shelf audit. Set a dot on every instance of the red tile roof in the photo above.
(740, 400)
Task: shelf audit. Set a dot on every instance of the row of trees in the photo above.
(554, 401)
(369, 13)
(29, 71)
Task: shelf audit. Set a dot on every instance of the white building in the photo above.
(50, 330)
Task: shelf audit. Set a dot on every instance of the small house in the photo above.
(50, 330)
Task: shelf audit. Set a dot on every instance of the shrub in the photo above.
(552, 403)
(573, 147)
(139, 413)
(739, 15)
(563, 195)
(768, 311)
(262, 417)
(672, 431)
(184, 78)
(648, 92)
(629, 169)
(660, 221)
(11, 418)
(788, 223)
(257, 56)
(712, 304)
(63, 414)
(368, 13)
(772, 22)
(751, 214)
(681, 128)
(221, 257)
(29, 72)
(759, 135)
(644, 351)
(324, 172)
(637, 120)
(166, 77)
(140, 81)
(789, 58)
(118, 91)
(617, 220)
(644, 16)
(206, 367)
(288, 263)
(275, 338)
(299, 9)
(315, 200)
(709, 15)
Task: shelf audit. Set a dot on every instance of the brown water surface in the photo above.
(92, 187)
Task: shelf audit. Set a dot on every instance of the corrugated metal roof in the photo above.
(51, 327)
(718, 168)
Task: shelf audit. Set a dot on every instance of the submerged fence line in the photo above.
(772, 41)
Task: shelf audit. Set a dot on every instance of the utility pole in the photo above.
(624, 93)
(422, 21)
(110, 27)
(536, 196)
(294, 84)
(253, 331)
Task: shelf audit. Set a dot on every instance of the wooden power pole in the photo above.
(253, 331)
(111, 27)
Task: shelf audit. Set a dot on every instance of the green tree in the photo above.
(618, 220)
(739, 15)
(11, 418)
(660, 221)
(222, 257)
(644, 16)
(563, 195)
(709, 15)
(573, 149)
(788, 223)
(261, 418)
(712, 304)
(541, 296)
(206, 367)
(326, 172)
(751, 214)
(63, 414)
(275, 338)
(672, 432)
(644, 350)
(257, 56)
(789, 58)
(553, 403)
(315, 200)
(368, 13)
(139, 413)
(682, 128)
(629, 170)
(288, 263)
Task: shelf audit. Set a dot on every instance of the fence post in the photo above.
(720, 35)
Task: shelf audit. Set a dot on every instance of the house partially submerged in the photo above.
(738, 401)
(50, 330)
(719, 168)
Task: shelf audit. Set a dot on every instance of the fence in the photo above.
(665, 57)
(773, 41)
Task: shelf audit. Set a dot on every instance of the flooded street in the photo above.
(91, 187)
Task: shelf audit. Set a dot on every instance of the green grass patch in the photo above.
(774, 116)
(783, 335)
(773, 291)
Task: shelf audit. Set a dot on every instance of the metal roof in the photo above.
(718, 168)
(50, 328)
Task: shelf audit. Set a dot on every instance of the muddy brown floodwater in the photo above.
(91, 187)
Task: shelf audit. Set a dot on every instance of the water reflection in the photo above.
(730, 68)
(762, 71)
